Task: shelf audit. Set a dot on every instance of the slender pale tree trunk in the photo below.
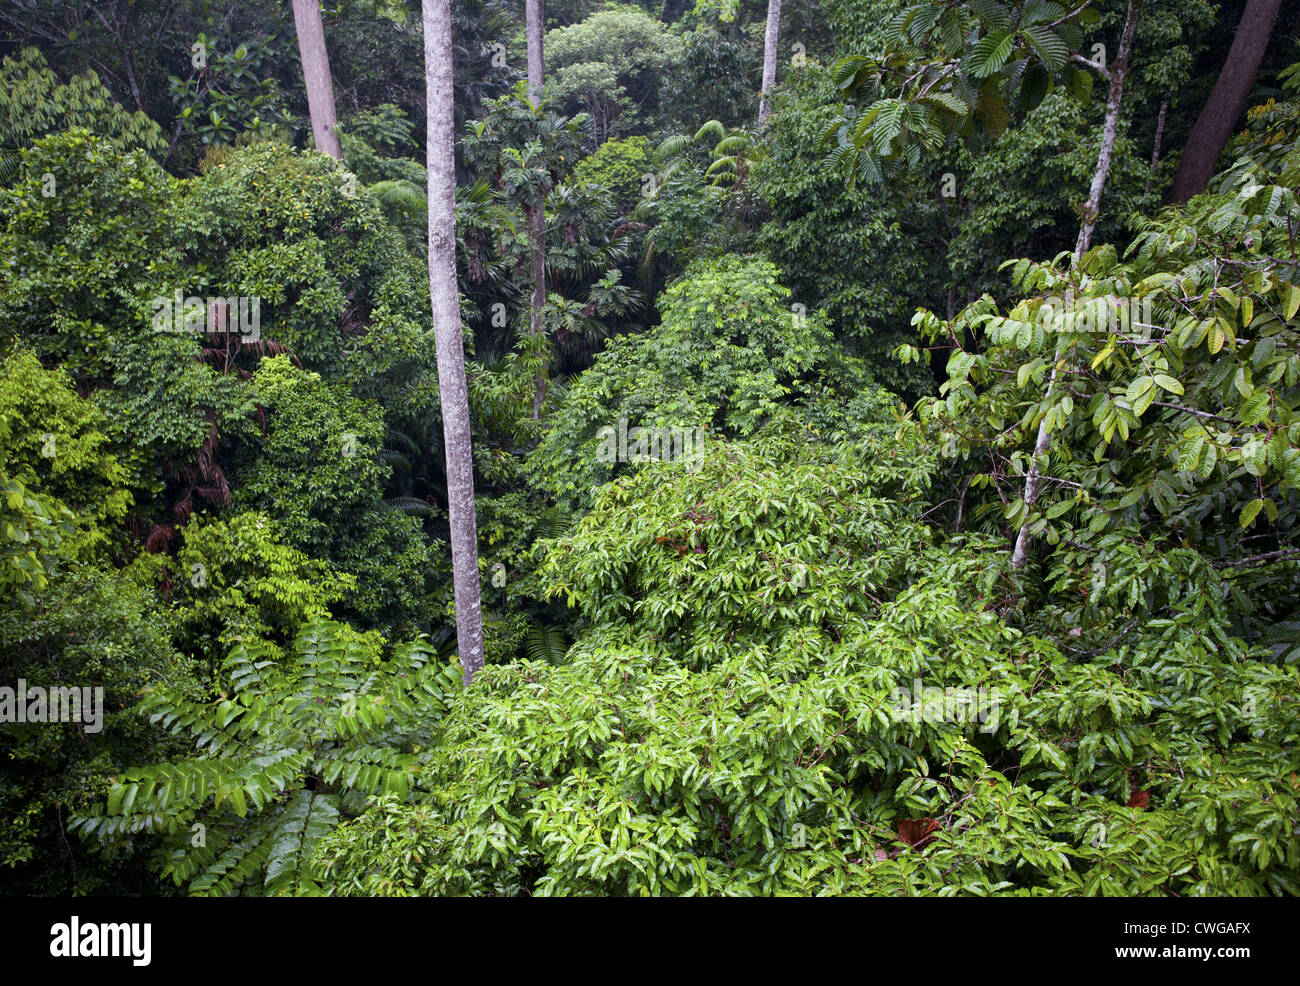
(770, 39)
(536, 64)
(537, 213)
(1109, 131)
(1160, 136)
(440, 154)
(1110, 128)
(316, 74)
(1224, 107)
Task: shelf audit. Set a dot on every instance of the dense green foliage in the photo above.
(297, 742)
(746, 502)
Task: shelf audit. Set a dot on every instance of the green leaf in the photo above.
(989, 54)
(1249, 513)
(1139, 387)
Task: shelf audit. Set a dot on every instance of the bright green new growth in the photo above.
(728, 723)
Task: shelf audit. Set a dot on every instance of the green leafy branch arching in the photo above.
(950, 67)
(281, 755)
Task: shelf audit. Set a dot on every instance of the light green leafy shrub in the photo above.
(728, 723)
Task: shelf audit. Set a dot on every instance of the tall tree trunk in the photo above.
(1160, 134)
(1109, 131)
(316, 74)
(1109, 128)
(454, 393)
(537, 265)
(770, 38)
(1223, 109)
(536, 63)
(537, 214)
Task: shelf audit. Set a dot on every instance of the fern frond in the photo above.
(306, 819)
(410, 505)
(402, 194)
(239, 865)
(713, 129)
(9, 164)
(546, 644)
(671, 147)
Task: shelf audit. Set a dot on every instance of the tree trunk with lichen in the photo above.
(770, 39)
(316, 76)
(537, 213)
(1091, 210)
(445, 299)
